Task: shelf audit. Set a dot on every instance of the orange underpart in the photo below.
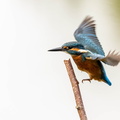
(90, 66)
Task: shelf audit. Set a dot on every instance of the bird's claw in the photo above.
(86, 80)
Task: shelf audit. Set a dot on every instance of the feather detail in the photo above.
(113, 58)
(86, 35)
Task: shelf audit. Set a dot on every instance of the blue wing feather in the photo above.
(85, 34)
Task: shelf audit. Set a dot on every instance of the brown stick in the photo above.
(76, 90)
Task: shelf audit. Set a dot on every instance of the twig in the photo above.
(76, 90)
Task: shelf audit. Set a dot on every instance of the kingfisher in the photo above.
(88, 53)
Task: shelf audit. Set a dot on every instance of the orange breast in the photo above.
(90, 66)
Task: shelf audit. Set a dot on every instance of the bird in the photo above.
(87, 52)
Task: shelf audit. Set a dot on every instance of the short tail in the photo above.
(104, 76)
(106, 80)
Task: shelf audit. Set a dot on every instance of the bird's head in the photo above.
(73, 48)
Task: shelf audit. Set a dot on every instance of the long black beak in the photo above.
(56, 49)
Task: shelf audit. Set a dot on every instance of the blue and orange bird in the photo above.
(87, 52)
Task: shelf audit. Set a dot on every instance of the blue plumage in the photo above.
(87, 52)
(103, 75)
(86, 35)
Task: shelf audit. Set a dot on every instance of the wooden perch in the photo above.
(76, 90)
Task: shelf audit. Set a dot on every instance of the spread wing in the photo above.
(113, 58)
(85, 34)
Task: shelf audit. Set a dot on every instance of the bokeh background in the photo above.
(34, 84)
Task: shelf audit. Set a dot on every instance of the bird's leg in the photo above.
(86, 80)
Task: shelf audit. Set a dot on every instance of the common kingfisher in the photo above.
(87, 52)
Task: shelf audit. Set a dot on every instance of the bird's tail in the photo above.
(104, 76)
(106, 80)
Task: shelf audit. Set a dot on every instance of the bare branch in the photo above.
(76, 90)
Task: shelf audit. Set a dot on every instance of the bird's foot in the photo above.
(86, 80)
